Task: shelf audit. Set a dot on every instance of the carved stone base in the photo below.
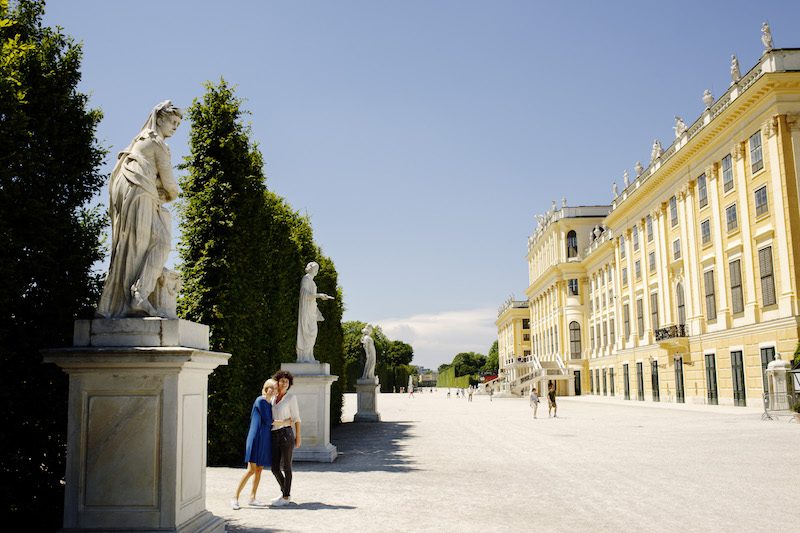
(136, 432)
(367, 390)
(312, 387)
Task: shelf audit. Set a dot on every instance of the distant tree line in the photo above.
(393, 357)
(471, 365)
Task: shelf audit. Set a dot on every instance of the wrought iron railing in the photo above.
(671, 332)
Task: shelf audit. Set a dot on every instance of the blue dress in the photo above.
(259, 440)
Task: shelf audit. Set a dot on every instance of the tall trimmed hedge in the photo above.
(447, 378)
(244, 251)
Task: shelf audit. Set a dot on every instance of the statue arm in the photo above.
(164, 166)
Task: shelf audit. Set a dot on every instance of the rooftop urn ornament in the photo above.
(736, 74)
(625, 179)
(614, 189)
(308, 315)
(680, 126)
(766, 37)
(141, 183)
(638, 168)
(708, 98)
(657, 150)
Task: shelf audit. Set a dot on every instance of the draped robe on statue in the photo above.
(140, 184)
(307, 318)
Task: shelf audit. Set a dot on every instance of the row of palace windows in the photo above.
(712, 390)
(731, 214)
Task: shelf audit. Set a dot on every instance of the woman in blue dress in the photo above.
(258, 450)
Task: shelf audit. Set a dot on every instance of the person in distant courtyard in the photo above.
(534, 401)
(258, 450)
(491, 393)
(448, 394)
(470, 394)
(551, 400)
(411, 391)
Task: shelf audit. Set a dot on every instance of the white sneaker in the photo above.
(280, 501)
(256, 503)
(235, 504)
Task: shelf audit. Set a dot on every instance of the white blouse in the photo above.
(286, 408)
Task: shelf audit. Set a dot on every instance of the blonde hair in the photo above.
(267, 384)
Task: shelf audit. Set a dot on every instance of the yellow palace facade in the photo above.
(686, 286)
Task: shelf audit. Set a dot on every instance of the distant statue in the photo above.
(563, 201)
(614, 189)
(141, 183)
(638, 168)
(736, 74)
(369, 351)
(657, 151)
(626, 179)
(308, 315)
(680, 126)
(553, 207)
(708, 98)
(766, 37)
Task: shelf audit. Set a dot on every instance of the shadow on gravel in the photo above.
(367, 447)
(232, 527)
(311, 506)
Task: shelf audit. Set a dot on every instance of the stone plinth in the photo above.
(777, 372)
(312, 387)
(367, 390)
(136, 435)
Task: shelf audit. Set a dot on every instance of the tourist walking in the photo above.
(534, 401)
(285, 435)
(491, 393)
(470, 394)
(551, 400)
(258, 452)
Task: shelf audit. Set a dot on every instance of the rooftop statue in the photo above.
(657, 150)
(141, 183)
(680, 126)
(308, 315)
(638, 168)
(614, 189)
(625, 179)
(766, 37)
(708, 98)
(736, 74)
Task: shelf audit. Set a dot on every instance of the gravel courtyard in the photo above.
(438, 464)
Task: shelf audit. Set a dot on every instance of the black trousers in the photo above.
(282, 449)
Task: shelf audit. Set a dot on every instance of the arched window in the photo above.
(575, 340)
(572, 244)
(681, 304)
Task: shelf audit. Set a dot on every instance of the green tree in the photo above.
(224, 252)
(492, 360)
(49, 240)
(468, 363)
(398, 353)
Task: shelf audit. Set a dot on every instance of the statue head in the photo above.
(367, 330)
(168, 117)
(312, 268)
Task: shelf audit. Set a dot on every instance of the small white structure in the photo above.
(777, 371)
(136, 431)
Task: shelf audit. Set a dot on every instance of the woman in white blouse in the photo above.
(285, 435)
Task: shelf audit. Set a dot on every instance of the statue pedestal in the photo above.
(367, 390)
(136, 434)
(312, 387)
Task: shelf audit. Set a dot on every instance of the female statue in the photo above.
(308, 315)
(369, 350)
(141, 183)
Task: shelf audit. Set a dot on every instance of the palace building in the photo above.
(686, 286)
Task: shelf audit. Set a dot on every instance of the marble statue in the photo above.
(638, 168)
(736, 74)
(708, 98)
(680, 126)
(614, 189)
(766, 37)
(626, 179)
(369, 351)
(657, 150)
(141, 183)
(308, 315)
(563, 201)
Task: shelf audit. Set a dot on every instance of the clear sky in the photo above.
(423, 136)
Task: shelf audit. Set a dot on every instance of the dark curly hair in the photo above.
(284, 374)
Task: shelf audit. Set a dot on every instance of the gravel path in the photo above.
(438, 464)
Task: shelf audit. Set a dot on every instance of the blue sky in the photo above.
(423, 136)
